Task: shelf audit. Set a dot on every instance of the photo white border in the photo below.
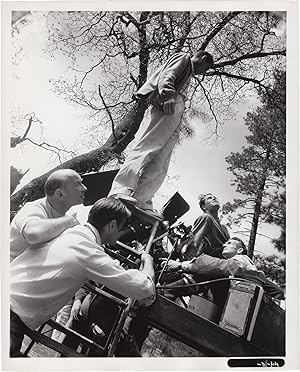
(293, 268)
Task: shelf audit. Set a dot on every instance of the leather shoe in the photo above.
(125, 198)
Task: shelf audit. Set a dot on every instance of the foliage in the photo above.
(274, 268)
(275, 213)
(15, 177)
(260, 168)
(110, 55)
(124, 47)
(27, 128)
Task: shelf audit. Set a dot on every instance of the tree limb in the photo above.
(91, 161)
(217, 29)
(109, 114)
(206, 94)
(14, 141)
(250, 56)
(48, 147)
(238, 77)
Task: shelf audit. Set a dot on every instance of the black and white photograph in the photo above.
(151, 207)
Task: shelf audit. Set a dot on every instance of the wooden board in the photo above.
(197, 332)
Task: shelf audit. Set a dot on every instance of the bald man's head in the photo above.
(57, 179)
(66, 186)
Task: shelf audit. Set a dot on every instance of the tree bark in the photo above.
(255, 219)
(91, 161)
(113, 147)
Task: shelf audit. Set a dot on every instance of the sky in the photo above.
(200, 167)
(197, 167)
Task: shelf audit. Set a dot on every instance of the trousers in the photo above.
(62, 317)
(17, 333)
(146, 167)
(101, 312)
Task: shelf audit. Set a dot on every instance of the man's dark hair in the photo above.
(52, 184)
(241, 244)
(208, 59)
(106, 210)
(201, 199)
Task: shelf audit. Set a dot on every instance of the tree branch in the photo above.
(206, 94)
(48, 147)
(250, 56)
(250, 80)
(238, 77)
(91, 69)
(28, 128)
(131, 19)
(109, 114)
(14, 141)
(217, 29)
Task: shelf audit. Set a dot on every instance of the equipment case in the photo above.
(251, 314)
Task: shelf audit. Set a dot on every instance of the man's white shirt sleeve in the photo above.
(101, 268)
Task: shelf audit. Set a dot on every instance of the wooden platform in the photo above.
(197, 332)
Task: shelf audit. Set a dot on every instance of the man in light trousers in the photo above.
(146, 166)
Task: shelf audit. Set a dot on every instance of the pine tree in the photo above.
(260, 168)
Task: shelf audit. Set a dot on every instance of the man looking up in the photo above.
(146, 166)
(209, 234)
(58, 268)
(235, 262)
(44, 219)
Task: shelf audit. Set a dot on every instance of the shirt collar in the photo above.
(95, 232)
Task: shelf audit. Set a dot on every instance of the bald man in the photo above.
(44, 219)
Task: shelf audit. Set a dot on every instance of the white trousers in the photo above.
(146, 167)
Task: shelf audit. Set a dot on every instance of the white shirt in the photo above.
(38, 209)
(45, 277)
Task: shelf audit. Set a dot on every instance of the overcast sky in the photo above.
(197, 167)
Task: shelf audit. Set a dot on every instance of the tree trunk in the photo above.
(91, 161)
(258, 201)
(115, 144)
(255, 219)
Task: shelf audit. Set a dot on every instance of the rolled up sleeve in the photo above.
(212, 266)
(29, 213)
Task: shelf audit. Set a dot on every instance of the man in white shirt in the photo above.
(55, 270)
(44, 219)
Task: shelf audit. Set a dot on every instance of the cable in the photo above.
(200, 284)
(168, 258)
